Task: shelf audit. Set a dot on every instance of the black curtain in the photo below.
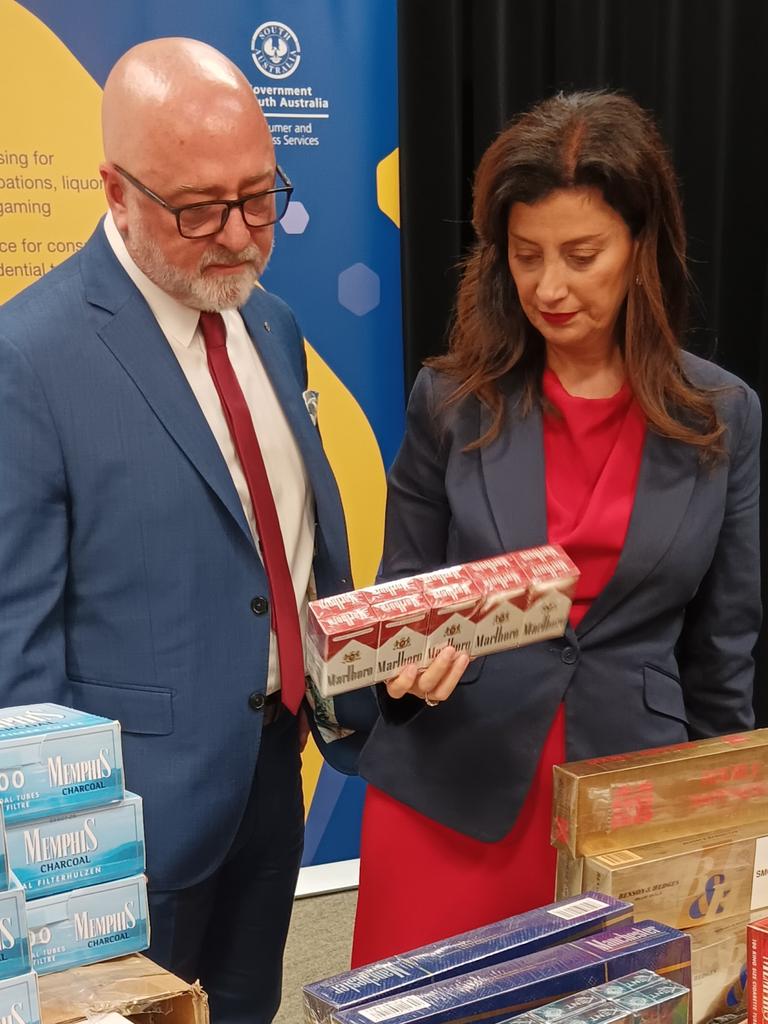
(701, 66)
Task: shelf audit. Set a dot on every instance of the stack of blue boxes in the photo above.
(73, 843)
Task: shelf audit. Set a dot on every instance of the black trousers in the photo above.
(229, 931)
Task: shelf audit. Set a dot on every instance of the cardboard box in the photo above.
(496, 993)
(88, 925)
(496, 943)
(71, 851)
(55, 760)
(131, 985)
(719, 968)
(628, 800)
(688, 882)
(14, 932)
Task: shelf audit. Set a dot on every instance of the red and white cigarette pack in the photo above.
(552, 580)
(500, 615)
(404, 621)
(453, 598)
(341, 647)
(757, 971)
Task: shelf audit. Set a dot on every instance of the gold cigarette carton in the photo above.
(719, 967)
(569, 875)
(627, 800)
(688, 882)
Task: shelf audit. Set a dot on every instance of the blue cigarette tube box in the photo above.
(14, 939)
(513, 937)
(496, 993)
(53, 855)
(54, 760)
(19, 1000)
(88, 925)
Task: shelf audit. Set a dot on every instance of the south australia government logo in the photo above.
(275, 49)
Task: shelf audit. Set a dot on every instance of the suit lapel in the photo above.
(513, 470)
(668, 473)
(136, 341)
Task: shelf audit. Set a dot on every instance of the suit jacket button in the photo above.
(256, 701)
(569, 656)
(259, 605)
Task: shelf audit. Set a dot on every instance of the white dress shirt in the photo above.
(291, 489)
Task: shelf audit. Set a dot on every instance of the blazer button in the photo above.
(569, 656)
(256, 701)
(259, 605)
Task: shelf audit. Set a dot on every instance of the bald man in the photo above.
(166, 509)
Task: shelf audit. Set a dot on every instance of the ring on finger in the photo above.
(430, 702)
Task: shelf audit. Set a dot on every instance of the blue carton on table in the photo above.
(497, 993)
(54, 760)
(70, 851)
(14, 937)
(505, 940)
(20, 1000)
(85, 926)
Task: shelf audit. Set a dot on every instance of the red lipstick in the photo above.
(557, 319)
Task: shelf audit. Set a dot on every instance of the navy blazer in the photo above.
(664, 653)
(127, 568)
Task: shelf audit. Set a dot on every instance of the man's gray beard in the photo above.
(194, 290)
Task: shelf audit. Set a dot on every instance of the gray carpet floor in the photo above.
(319, 944)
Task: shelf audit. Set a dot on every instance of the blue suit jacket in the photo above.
(126, 564)
(662, 655)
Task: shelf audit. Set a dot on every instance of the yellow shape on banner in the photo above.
(50, 191)
(388, 186)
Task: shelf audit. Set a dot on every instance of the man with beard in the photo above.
(166, 509)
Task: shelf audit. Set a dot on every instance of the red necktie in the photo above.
(285, 617)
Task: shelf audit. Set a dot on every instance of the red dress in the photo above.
(421, 881)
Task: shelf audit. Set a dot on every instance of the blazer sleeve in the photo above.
(33, 539)
(722, 622)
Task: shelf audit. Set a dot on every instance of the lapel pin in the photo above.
(266, 326)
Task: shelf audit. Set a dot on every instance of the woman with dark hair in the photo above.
(565, 411)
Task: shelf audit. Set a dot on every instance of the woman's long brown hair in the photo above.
(584, 140)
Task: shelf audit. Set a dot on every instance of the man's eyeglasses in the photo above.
(199, 220)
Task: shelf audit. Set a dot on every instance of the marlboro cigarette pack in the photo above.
(494, 994)
(688, 882)
(53, 855)
(54, 760)
(495, 604)
(627, 800)
(513, 937)
(719, 968)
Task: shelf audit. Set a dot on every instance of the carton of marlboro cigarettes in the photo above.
(403, 632)
(341, 647)
(453, 602)
(719, 968)
(20, 1000)
(53, 855)
(87, 925)
(688, 882)
(395, 588)
(757, 971)
(54, 759)
(552, 581)
(14, 937)
(496, 993)
(513, 937)
(627, 800)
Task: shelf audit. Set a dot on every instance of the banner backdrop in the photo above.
(325, 72)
